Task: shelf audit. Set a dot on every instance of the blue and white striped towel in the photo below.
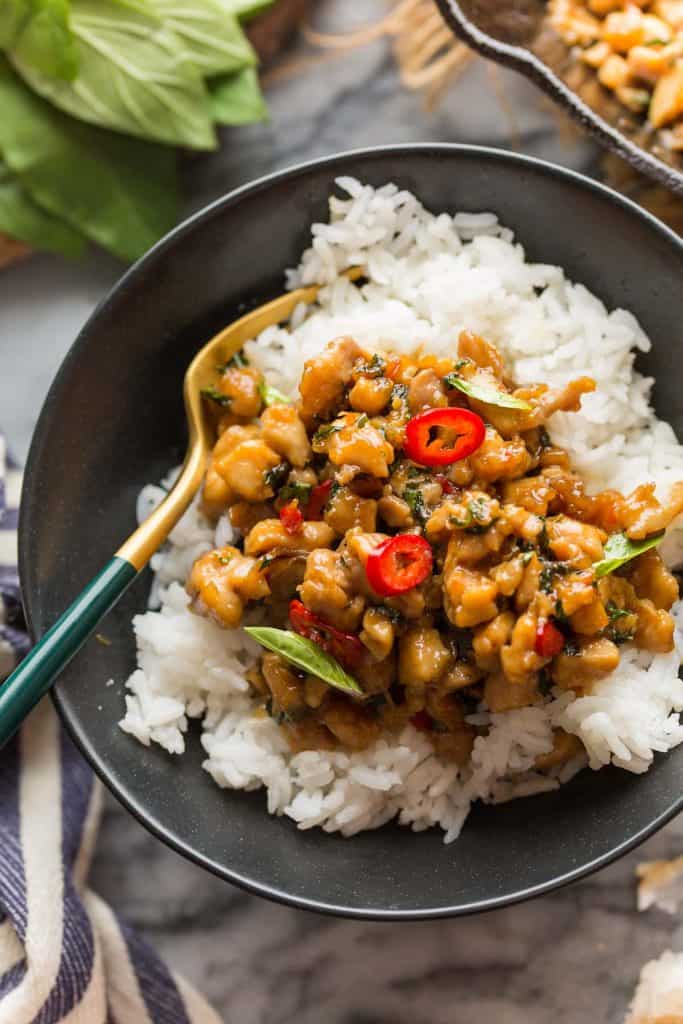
(64, 955)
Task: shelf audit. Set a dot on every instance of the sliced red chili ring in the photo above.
(291, 517)
(398, 564)
(440, 437)
(318, 499)
(345, 647)
(549, 640)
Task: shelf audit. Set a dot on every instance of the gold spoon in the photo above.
(35, 675)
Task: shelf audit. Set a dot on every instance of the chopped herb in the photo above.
(482, 393)
(618, 636)
(527, 556)
(224, 559)
(549, 570)
(294, 489)
(655, 42)
(214, 395)
(560, 613)
(462, 362)
(271, 396)
(615, 612)
(375, 368)
(543, 539)
(399, 393)
(571, 647)
(415, 471)
(362, 421)
(322, 433)
(415, 500)
(545, 580)
(276, 476)
(267, 561)
(377, 701)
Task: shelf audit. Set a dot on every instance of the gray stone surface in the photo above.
(571, 957)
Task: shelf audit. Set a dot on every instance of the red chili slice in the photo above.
(440, 437)
(549, 640)
(345, 647)
(399, 564)
(292, 517)
(318, 499)
(446, 485)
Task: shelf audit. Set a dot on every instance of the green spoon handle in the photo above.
(31, 680)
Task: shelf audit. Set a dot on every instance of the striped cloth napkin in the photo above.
(64, 955)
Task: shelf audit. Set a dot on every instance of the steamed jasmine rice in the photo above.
(428, 277)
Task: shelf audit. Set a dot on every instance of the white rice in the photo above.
(429, 276)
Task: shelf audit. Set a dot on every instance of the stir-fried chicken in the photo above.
(429, 538)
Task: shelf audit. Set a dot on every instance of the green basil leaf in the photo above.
(120, 192)
(45, 41)
(211, 36)
(24, 220)
(302, 492)
(245, 9)
(13, 16)
(619, 549)
(237, 99)
(271, 396)
(491, 396)
(134, 76)
(305, 655)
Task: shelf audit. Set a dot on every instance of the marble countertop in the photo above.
(572, 957)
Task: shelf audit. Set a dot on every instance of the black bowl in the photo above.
(113, 420)
(517, 33)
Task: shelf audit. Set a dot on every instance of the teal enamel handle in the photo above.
(35, 675)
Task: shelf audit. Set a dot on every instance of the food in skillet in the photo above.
(418, 548)
(636, 50)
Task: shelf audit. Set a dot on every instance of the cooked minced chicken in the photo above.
(412, 518)
(636, 49)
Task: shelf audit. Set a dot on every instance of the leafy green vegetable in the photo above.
(13, 15)
(301, 492)
(271, 396)
(276, 476)
(211, 35)
(214, 395)
(22, 219)
(615, 612)
(306, 655)
(120, 192)
(414, 498)
(483, 394)
(134, 76)
(45, 41)
(245, 9)
(322, 433)
(619, 550)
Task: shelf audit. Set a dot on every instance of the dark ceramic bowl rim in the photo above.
(73, 726)
(527, 63)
